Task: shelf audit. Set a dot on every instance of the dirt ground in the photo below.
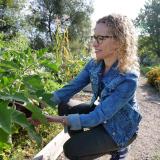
(147, 144)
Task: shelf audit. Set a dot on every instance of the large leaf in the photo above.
(46, 97)
(6, 80)
(2, 70)
(50, 65)
(36, 112)
(4, 145)
(33, 82)
(5, 118)
(41, 52)
(4, 137)
(16, 97)
(8, 65)
(19, 118)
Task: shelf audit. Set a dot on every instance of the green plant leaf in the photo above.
(36, 113)
(7, 80)
(20, 119)
(46, 97)
(41, 52)
(2, 70)
(33, 82)
(4, 136)
(5, 117)
(8, 65)
(16, 97)
(4, 145)
(50, 65)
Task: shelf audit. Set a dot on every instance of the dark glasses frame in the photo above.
(99, 39)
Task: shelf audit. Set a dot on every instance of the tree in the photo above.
(48, 14)
(149, 22)
(10, 16)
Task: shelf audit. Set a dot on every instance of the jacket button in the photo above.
(113, 133)
(105, 122)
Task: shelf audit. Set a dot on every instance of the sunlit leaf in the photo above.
(5, 80)
(16, 97)
(8, 65)
(50, 65)
(4, 136)
(4, 145)
(5, 117)
(2, 70)
(33, 82)
(36, 112)
(41, 52)
(46, 97)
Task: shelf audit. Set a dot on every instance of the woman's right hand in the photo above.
(33, 121)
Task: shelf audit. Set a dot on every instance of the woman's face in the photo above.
(104, 43)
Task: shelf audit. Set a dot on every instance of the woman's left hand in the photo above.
(57, 119)
(34, 122)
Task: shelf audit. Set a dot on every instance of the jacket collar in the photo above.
(113, 77)
(97, 73)
(112, 73)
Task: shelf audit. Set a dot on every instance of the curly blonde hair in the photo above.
(123, 30)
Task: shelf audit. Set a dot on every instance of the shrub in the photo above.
(145, 69)
(157, 83)
(26, 75)
(154, 77)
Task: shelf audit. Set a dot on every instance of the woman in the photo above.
(113, 120)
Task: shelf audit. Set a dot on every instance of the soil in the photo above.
(147, 144)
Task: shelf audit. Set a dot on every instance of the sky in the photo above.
(129, 8)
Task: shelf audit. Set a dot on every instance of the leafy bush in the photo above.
(145, 69)
(24, 75)
(148, 58)
(23, 81)
(27, 79)
(154, 77)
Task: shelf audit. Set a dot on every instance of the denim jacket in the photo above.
(117, 110)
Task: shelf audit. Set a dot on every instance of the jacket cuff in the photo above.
(55, 99)
(74, 121)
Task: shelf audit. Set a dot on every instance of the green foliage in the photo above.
(24, 146)
(11, 17)
(5, 123)
(47, 15)
(80, 23)
(149, 22)
(27, 78)
(24, 75)
(147, 56)
(154, 77)
(145, 69)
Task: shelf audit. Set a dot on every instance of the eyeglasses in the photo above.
(99, 39)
